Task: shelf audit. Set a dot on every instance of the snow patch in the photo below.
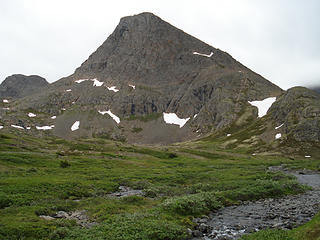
(307, 156)
(16, 126)
(263, 106)
(63, 109)
(113, 88)
(53, 117)
(195, 115)
(5, 101)
(204, 55)
(115, 118)
(28, 128)
(228, 135)
(279, 126)
(1, 127)
(96, 83)
(45, 127)
(75, 126)
(31, 114)
(68, 90)
(133, 86)
(6, 108)
(81, 80)
(254, 154)
(102, 112)
(278, 135)
(172, 118)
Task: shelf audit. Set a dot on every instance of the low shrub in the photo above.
(133, 227)
(194, 204)
(64, 164)
(5, 201)
(137, 200)
(264, 189)
(275, 234)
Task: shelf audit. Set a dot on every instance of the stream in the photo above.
(282, 213)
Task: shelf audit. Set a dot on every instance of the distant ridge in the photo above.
(18, 85)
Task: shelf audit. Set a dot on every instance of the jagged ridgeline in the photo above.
(150, 82)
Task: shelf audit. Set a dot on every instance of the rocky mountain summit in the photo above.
(19, 86)
(150, 82)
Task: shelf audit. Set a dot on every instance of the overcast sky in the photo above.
(279, 39)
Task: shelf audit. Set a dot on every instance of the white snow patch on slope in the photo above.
(31, 114)
(63, 109)
(307, 156)
(96, 82)
(81, 80)
(16, 126)
(172, 118)
(28, 128)
(278, 135)
(228, 135)
(133, 86)
(195, 115)
(279, 126)
(115, 118)
(263, 106)
(68, 90)
(75, 126)
(1, 127)
(102, 112)
(113, 88)
(204, 55)
(53, 117)
(5, 101)
(6, 108)
(45, 127)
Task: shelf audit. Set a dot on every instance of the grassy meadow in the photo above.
(181, 181)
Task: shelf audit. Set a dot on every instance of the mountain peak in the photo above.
(143, 17)
(148, 68)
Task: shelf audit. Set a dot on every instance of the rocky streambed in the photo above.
(283, 213)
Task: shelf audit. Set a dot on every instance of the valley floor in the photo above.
(100, 189)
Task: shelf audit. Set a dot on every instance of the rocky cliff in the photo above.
(298, 111)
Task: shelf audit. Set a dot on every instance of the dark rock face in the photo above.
(317, 89)
(171, 71)
(18, 85)
(299, 110)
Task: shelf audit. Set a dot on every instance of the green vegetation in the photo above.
(136, 130)
(43, 176)
(309, 231)
(145, 118)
